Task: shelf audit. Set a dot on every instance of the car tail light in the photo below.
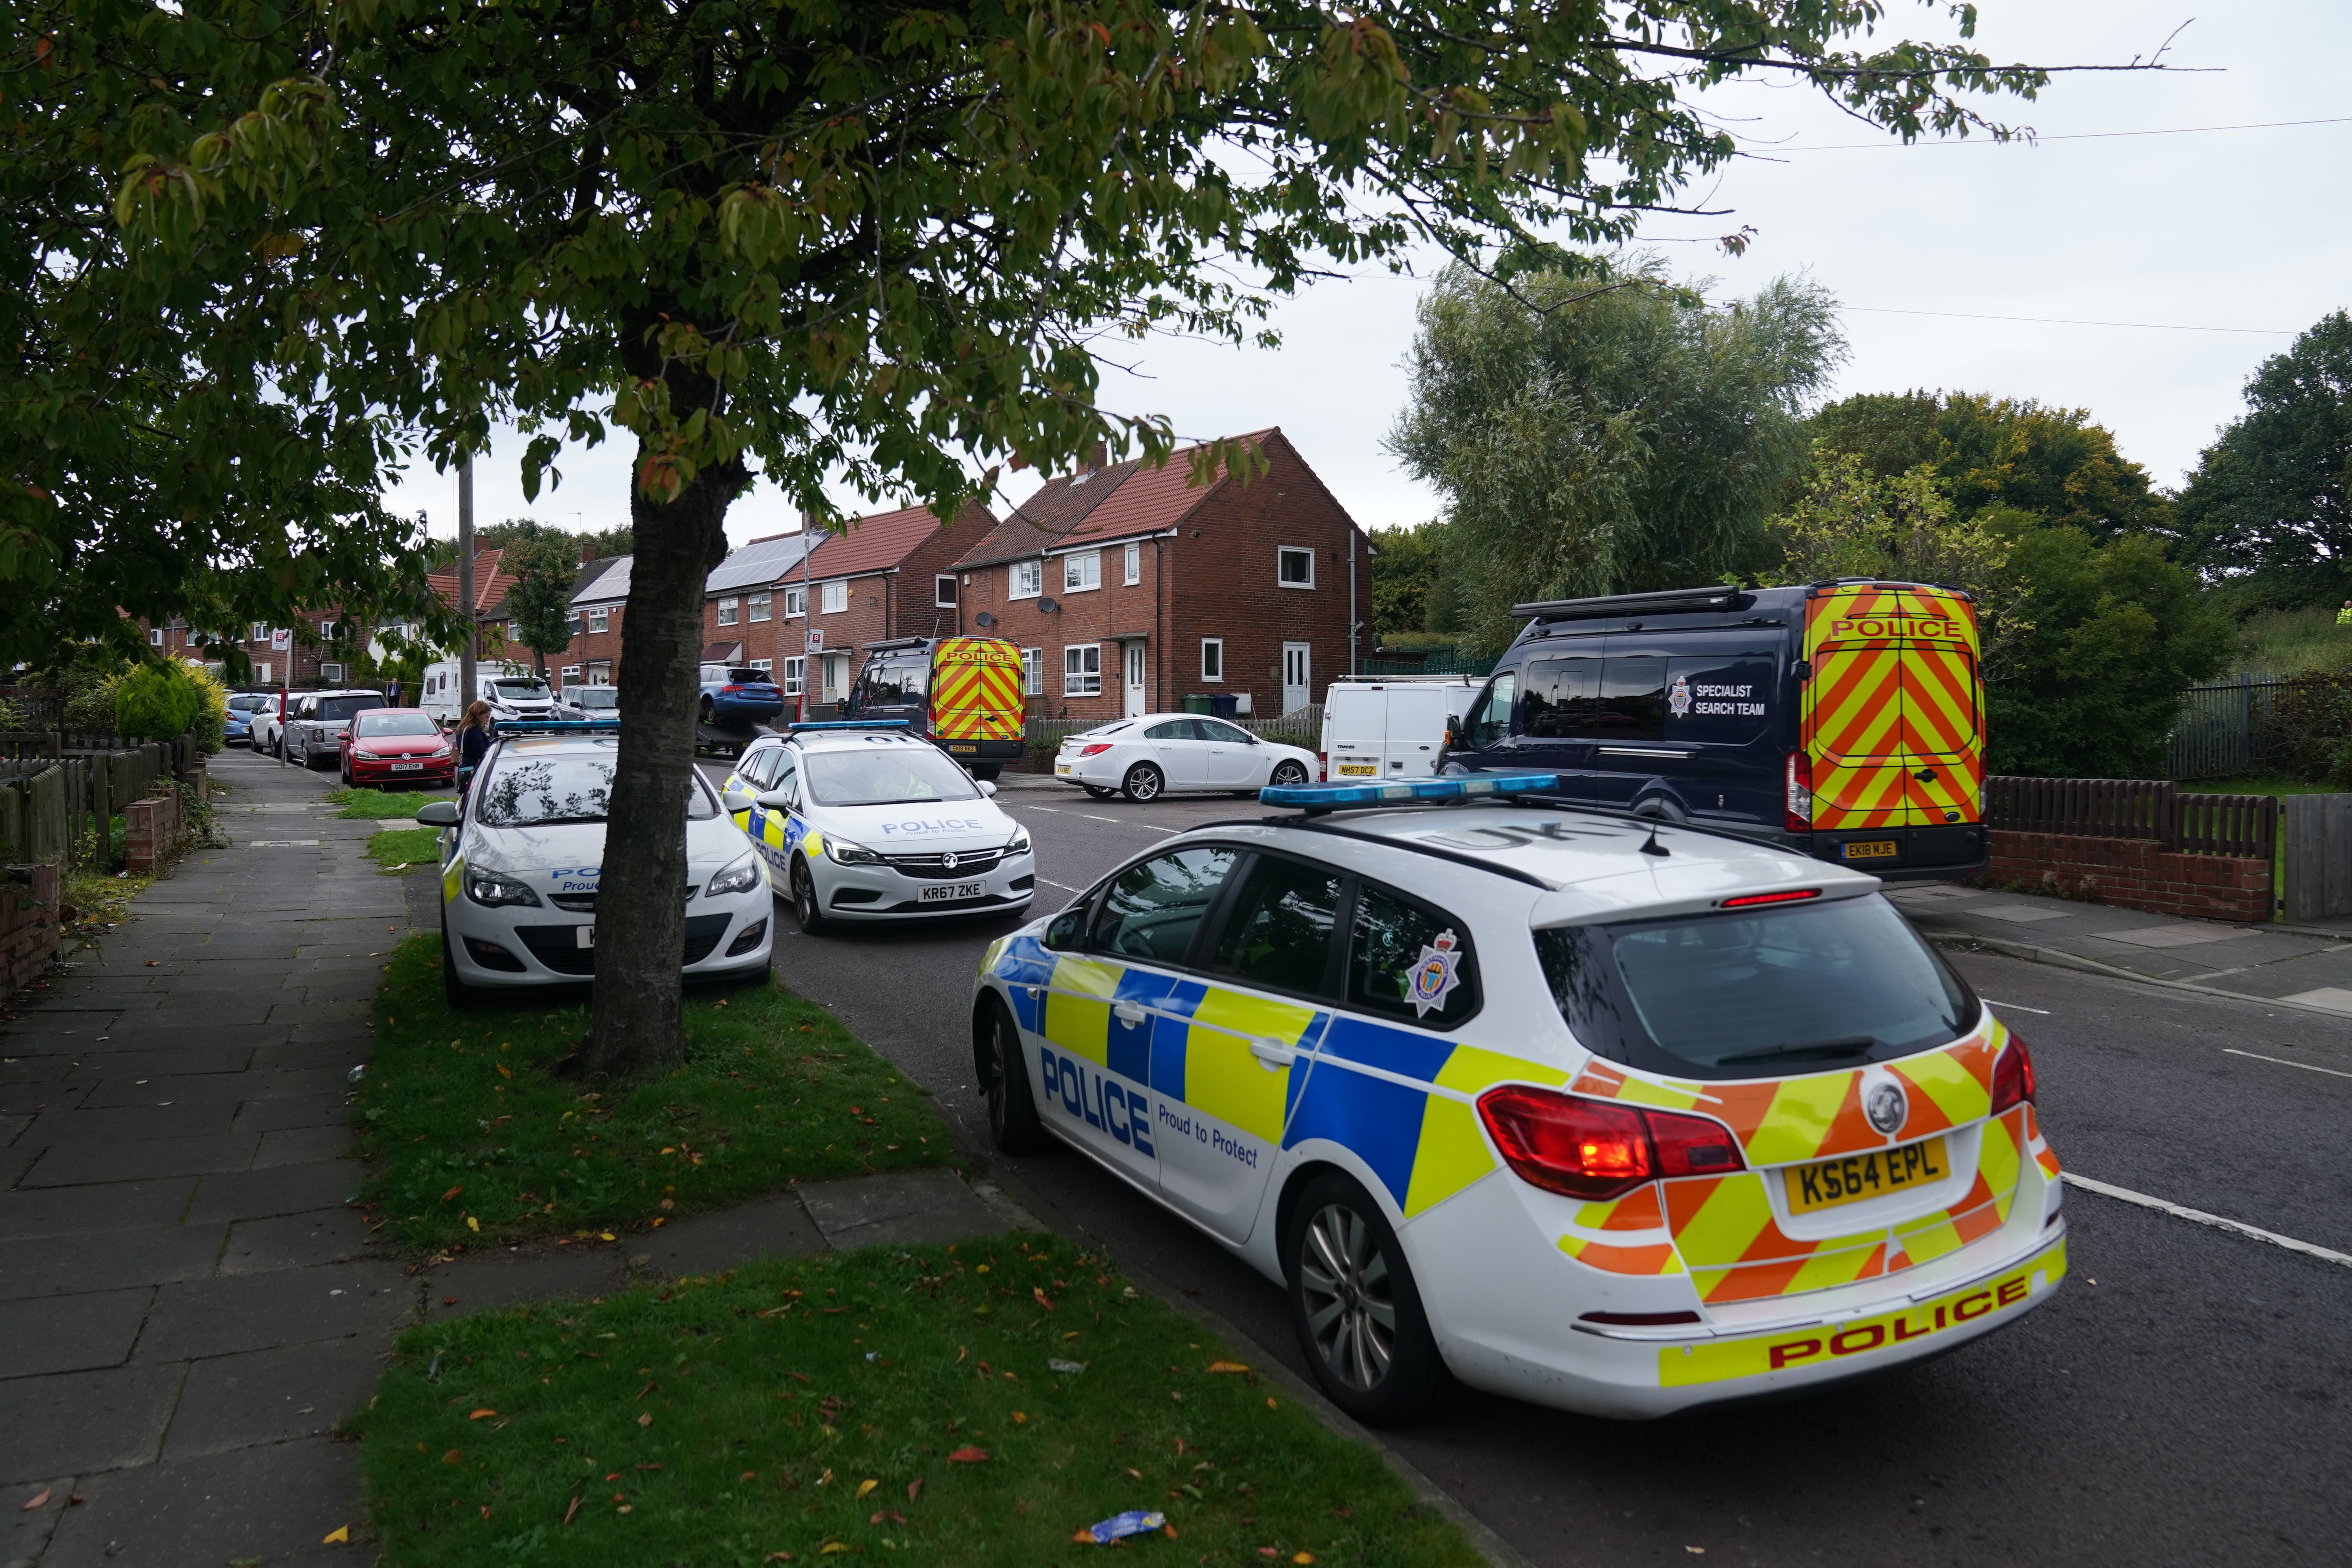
(1750, 901)
(1596, 1149)
(1322, 767)
(2012, 1077)
(1799, 810)
(1096, 750)
(730, 688)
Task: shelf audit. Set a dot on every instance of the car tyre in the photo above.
(987, 771)
(1287, 773)
(1013, 1121)
(805, 911)
(1143, 782)
(1355, 1308)
(1099, 792)
(710, 714)
(458, 995)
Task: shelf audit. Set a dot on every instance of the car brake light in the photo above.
(1096, 750)
(2012, 1077)
(1746, 900)
(730, 688)
(1323, 767)
(1799, 810)
(1596, 1149)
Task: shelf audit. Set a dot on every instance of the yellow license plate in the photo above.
(1873, 849)
(1355, 770)
(956, 748)
(1061, 767)
(1826, 1184)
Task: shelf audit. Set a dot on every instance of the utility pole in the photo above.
(808, 612)
(1354, 668)
(466, 653)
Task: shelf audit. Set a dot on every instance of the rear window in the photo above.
(332, 708)
(1763, 994)
(747, 676)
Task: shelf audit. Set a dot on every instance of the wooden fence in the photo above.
(2157, 809)
(57, 806)
(2318, 858)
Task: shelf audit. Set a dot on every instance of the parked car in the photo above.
(315, 726)
(511, 690)
(735, 692)
(245, 712)
(1392, 728)
(402, 746)
(590, 703)
(235, 732)
(267, 722)
(963, 692)
(1144, 758)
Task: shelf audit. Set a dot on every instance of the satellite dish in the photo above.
(984, 619)
(1047, 606)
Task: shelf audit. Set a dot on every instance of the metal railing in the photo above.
(2219, 730)
(2154, 809)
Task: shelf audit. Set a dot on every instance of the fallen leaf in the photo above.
(452, 1192)
(1021, 1418)
(473, 1224)
(646, 1420)
(915, 1490)
(968, 1456)
(825, 1479)
(1083, 1537)
(1270, 1404)
(448, 1301)
(478, 1415)
(1302, 1557)
(608, 1236)
(454, 1456)
(1267, 1551)
(339, 1536)
(572, 1509)
(1227, 1366)
(829, 1548)
(39, 1501)
(866, 1486)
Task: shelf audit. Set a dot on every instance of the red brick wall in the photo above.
(2133, 873)
(150, 831)
(28, 926)
(586, 647)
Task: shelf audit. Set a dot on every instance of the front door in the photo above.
(1182, 756)
(1298, 687)
(1235, 760)
(1134, 662)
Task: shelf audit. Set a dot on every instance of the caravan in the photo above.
(512, 691)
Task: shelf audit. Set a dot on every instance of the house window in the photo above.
(794, 676)
(1212, 658)
(514, 631)
(834, 598)
(769, 665)
(570, 675)
(261, 670)
(572, 622)
(1133, 572)
(1294, 567)
(943, 591)
(730, 611)
(795, 602)
(260, 632)
(331, 673)
(327, 629)
(1080, 572)
(598, 620)
(154, 636)
(1032, 672)
(1082, 671)
(1024, 579)
(763, 607)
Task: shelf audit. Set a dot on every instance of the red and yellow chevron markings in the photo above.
(1894, 685)
(976, 689)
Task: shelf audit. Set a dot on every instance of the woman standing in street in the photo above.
(473, 741)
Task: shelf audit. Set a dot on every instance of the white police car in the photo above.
(1613, 1116)
(520, 870)
(864, 821)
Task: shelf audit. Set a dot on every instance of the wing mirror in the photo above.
(770, 800)
(987, 788)
(1454, 732)
(738, 800)
(438, 814)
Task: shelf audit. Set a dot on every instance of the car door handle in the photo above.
(1925, 774)
(1127, 1012)
(1272, 1054)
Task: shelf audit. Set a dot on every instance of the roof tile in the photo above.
(1122, 501)
(880, 542)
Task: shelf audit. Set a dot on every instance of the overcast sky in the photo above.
(2243, 228)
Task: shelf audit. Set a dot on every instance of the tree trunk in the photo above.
(641, 894)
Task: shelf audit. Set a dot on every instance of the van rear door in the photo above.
(1892, 708)
(1355, 726)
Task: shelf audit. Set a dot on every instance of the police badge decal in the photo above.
(1679, 699)
(1433, 976)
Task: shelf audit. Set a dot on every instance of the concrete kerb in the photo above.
(2033, 952)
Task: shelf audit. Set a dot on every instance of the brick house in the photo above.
(1128, 589)
(600, 596)
(752, 612)
(275, 654)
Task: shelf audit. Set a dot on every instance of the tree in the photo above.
(1594, 439)
(1409, 571)
(2006, 452)
(540, 603)
(865, 241)
(2269, 509)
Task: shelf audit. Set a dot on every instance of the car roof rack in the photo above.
(1715, 597)
(888, 644)
(559, 726)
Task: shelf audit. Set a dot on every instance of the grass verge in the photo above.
(897, 1403)
(402, 848)
(383, 805)
(471, 1138)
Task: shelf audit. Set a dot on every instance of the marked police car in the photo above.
(860, 820)
(520, 870)
(1611, 1116)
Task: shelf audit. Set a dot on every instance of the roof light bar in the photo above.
(1746, 899)
(847, 724)
(1335, 798)
(558, 726)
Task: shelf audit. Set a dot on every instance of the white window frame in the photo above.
(795, 600)
(1082, 571)
(795, 673)
(731, 610)
(1024, 580)
(154, 636)
(327, 629)
(766, 665)
(1132, 566)
(260, 633)
(832, 598)
(762, 607)
(599, 621)
(1282, 555)
(514, 631)
(1082, 670)
(1212, 660)
(1032, 672)
(943, 591)
(332, 674)
(570, 673)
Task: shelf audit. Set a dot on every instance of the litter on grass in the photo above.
(1133, 1522)
(1059, 1364)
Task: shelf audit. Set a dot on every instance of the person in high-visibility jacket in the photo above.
(2343, 616)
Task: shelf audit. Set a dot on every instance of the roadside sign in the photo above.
(815, 639)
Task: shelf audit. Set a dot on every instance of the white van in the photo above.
(512, 691)
(1393, 727)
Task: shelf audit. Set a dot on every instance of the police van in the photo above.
(1618, 1116)
(963, 692)
(1843, 719)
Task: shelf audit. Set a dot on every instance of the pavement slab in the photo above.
(709, 1243)
(67, 1333)
(296, 1241)
(104, 1260)
(900, 1207)
(257, 1311)
(79, 1162)
(272, 1395)
(89, 1210)
(265, 1504)
(79, 1423)
(283, 1189)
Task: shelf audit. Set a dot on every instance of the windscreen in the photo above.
(337, 708)
(541, 791)
(895, 682)
(395, 724)
(594, 697)
(885, 776)
(1757, 993)
(520, 690)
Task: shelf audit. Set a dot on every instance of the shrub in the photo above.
(156, 702)
(2307, 732)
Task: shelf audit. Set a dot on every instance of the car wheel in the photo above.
(805, 905)
(1143, 783)
(1099, 792)
(455, 990)
(1353, 1303)
(709, 713)
(1288, 774)
(1012, 1110)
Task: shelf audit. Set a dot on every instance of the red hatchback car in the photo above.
(402, 746)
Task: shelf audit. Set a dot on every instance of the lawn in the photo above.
(383, 805)
(471, 1138)
(2277, 786)
(973, 1404)
(399, 849)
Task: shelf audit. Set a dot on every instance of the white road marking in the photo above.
(2233, 1051)
(1063, 886)
(2014, 1006)
(281, 844)
(2201, 1217)
(1091, 817)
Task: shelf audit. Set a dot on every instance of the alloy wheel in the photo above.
(1350, 1310)
(1288, 774)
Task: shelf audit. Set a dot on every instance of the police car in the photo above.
(520, 869)
(1616, 1116)
(859, 820)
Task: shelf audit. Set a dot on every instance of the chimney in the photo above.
(587, 553)
(1094, 458)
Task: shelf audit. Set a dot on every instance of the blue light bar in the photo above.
(557, 726)
(847, 724)
(1333, 797)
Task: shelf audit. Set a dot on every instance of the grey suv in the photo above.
(315, 725)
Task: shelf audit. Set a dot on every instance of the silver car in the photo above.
(316, 723)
